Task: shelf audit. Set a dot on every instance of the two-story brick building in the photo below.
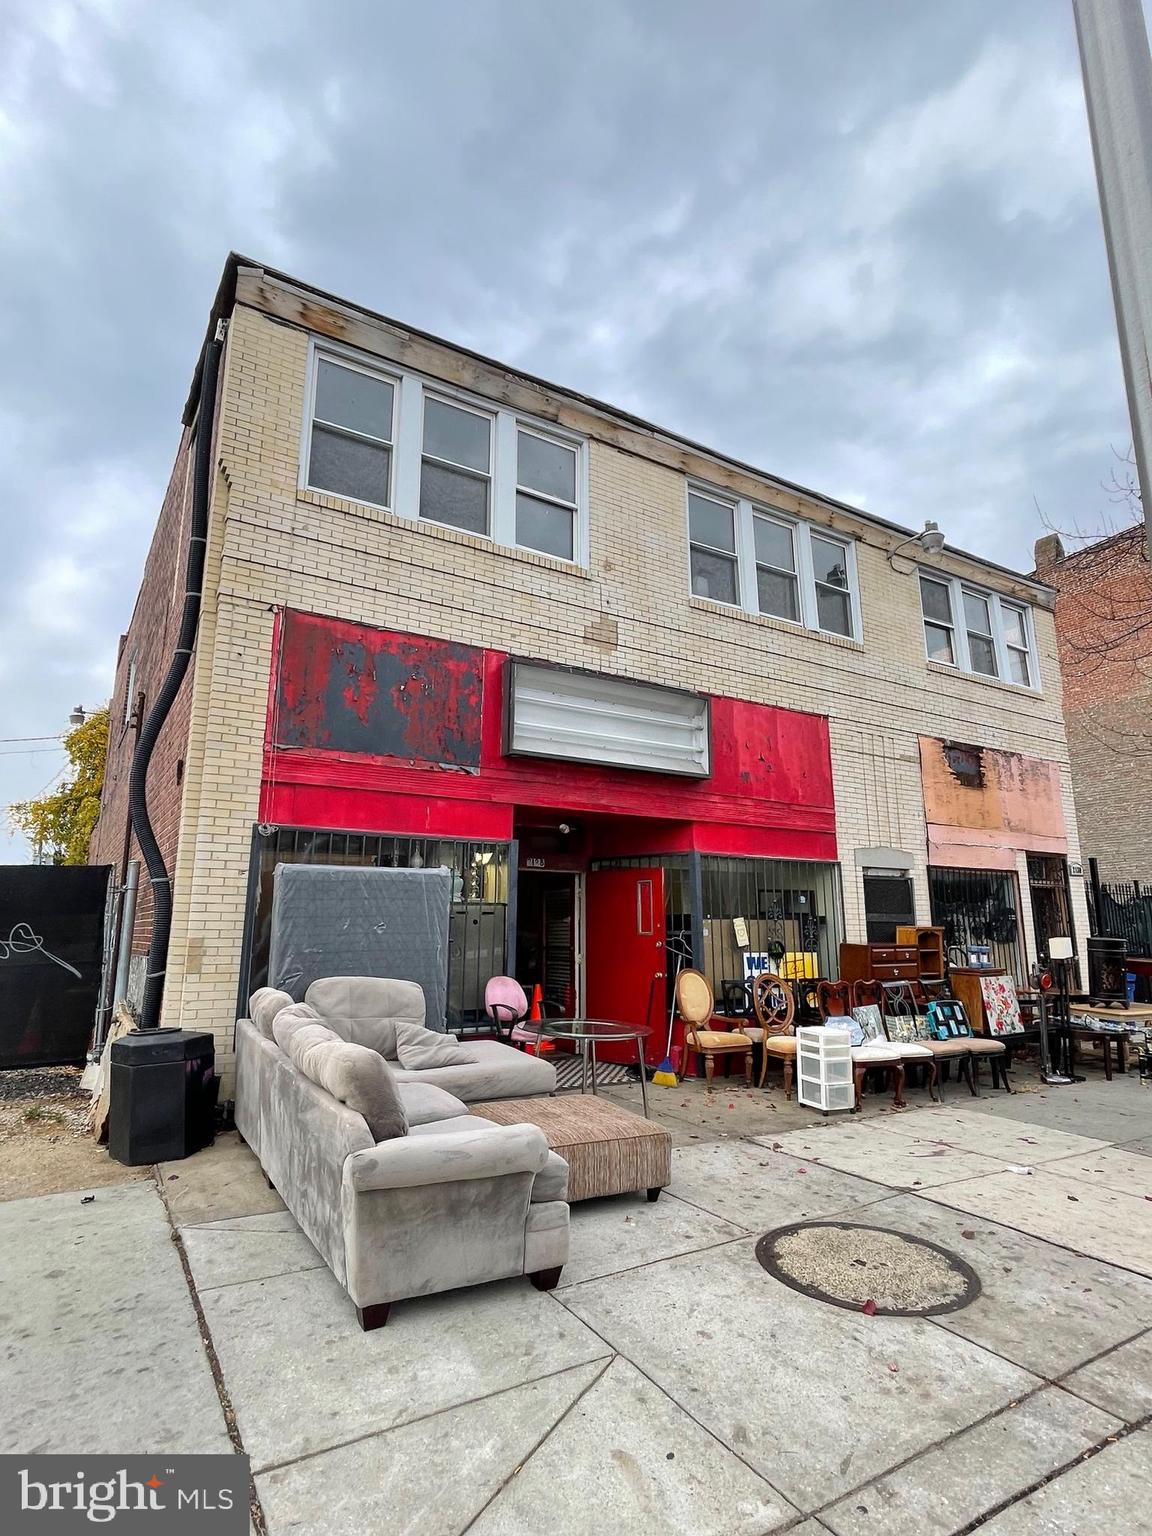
(629, 690)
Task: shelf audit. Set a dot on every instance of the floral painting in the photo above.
(1001, 1005)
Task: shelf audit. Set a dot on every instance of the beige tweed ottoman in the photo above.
(609, 1151)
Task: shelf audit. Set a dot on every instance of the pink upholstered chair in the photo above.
(507, 1007)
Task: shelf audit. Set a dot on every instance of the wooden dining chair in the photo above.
(774, 1004)
(834, 999)
(868, 992)
(696, 1005)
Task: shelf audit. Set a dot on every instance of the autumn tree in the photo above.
(60, 823)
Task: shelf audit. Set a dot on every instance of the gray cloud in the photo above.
(855, 242)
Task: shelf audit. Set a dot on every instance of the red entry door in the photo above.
(624, 956)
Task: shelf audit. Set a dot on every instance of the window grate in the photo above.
(478, 927)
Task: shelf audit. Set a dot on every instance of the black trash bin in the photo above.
(163, 1095)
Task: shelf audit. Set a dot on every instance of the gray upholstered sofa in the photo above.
(402, 1192)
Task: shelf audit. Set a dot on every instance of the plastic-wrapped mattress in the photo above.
(331, 920)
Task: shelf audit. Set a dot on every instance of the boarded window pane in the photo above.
(714, 576)
(1019, 669)
(451, 496)
(938, 641)
(834, 611)
(774, 544)
(777, 594)
(459, 436)
(547, 467)
(354, 400)
(544, 526)
(983, 654)
(829, 562)
(976, 615)
(349, 466)
(935, 600)
(710, 522)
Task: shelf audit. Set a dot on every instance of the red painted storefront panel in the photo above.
(431, 716)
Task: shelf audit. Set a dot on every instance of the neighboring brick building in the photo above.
(142, 661)
(753, 680)
(1104, 628)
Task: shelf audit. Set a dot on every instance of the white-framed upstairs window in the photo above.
(712, 548)
(393, 439)
(456, 466)
(350, 448)
(761, 560)
(547, 489)
(977, 631)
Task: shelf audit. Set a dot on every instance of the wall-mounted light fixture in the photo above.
(930, 540)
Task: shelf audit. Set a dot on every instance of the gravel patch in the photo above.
(868, 1268)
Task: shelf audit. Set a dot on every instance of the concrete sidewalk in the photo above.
(670, 1384)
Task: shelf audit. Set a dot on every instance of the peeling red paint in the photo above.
(368, 715)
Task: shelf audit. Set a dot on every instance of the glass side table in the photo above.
(588, 1032)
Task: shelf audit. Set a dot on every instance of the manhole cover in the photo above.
(851, 1266)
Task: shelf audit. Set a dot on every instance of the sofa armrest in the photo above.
(411, 1162)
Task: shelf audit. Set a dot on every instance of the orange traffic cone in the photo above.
(535, 1014)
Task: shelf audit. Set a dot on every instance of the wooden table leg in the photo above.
(933, 1078)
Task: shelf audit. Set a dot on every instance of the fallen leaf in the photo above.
(1075, 1199)
(968, 1235)
(869, 1308)
(893, 1369)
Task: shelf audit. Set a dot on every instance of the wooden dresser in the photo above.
(879, 962)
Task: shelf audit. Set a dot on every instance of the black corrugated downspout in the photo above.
(158, 875)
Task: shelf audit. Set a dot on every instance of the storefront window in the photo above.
(478, 931)
(979, 907)
(786, 909)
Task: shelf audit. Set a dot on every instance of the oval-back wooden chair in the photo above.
(696, 1005)
(775, 1008)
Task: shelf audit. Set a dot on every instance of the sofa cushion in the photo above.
(496, 1071)
(354, 1074)
(366, 1009)
(425, 1104)
(418, 1048)
(263, 1006)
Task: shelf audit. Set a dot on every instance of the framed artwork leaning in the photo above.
(1001, 1005)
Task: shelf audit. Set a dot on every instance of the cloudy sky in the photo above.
(853, 241)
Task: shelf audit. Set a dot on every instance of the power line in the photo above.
(4, 740)
(31, 751)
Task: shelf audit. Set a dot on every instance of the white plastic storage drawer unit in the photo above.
(824, 1068)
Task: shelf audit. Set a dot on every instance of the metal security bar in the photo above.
(478, 929)
(792, 903)
(979, 906)
(1126, 913)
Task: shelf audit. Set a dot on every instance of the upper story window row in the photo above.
(763, 561)
(392, 439)
(978, 631)
(398, 442)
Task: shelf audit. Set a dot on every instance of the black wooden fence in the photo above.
(1124, 911)
(51, 957)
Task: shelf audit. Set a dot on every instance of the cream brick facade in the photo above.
(274, 545)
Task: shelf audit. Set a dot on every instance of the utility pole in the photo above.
(1117, 69)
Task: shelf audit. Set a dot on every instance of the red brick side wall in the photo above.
(151, 636)
(1104, 630)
